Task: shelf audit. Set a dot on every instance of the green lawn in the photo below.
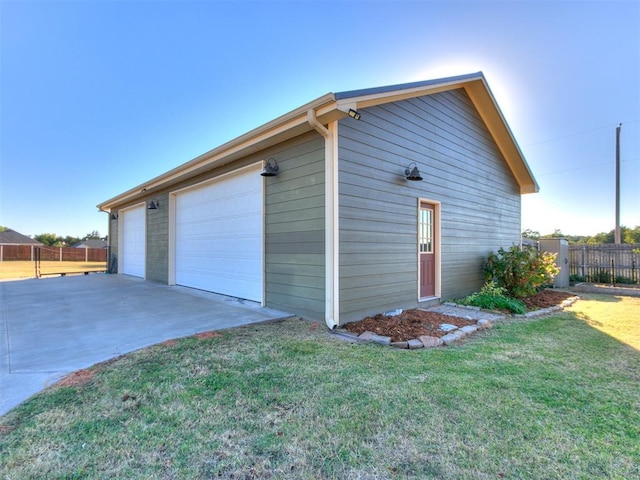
(547, 398)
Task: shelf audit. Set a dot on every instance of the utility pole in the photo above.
(618, 240)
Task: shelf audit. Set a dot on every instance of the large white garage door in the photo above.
(133, 241)
(218, 242)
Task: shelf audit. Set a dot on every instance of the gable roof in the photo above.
(11, 237)
(91, 243)
(334, 106)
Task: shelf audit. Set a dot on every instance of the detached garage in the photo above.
(353, 204)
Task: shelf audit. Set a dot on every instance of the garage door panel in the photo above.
(219, 237)
(134, 242)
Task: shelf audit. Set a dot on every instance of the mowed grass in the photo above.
(10, 270)
(597, 311)
(551, 398)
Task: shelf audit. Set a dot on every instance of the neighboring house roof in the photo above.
(334, 106)
(11, 237)
(91, 243)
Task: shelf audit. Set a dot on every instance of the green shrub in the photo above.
(521, 271)
(577, 279)
(625, 280)
(600, 277)
(493, 297)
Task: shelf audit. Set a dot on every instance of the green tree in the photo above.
(49, 239)
(94, 235)
(632, 235)
(70, 241)
(532, 234)
(557, 233)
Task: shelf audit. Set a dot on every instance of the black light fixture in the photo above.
(154, 204)
(270, 168)
(114, 216)
(412, 174)
(354, 114)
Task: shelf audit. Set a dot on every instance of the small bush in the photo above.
(577, 279)
(493, 297)
(521, 271)
(601, 277)
(625, 280)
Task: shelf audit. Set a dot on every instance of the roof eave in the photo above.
(331, 107)
(282, 128)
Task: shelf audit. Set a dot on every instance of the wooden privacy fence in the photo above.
(10, 253)
(605, 263)
(60, 254)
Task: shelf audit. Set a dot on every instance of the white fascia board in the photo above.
(294, 121)
(394, 96)
(485, 103)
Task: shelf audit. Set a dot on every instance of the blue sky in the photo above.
(98, 97)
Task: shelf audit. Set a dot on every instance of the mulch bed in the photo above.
(546, 299)
(416, 323)
(409, 324)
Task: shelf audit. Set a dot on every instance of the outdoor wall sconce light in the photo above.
(154, 204)
(270, 168)
(412, 174)
(354, 114)
(114, 216)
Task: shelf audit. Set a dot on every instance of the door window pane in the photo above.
(426, 230)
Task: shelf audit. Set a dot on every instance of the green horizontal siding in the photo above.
(462, 168)
(294, 229)
(158, 241)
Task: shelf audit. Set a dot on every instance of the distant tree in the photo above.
(532, 234)
(628, 235)
(50, 239)
(577, 239)
(3, 229)
(95, 235)
(632, 235)
(603, 237)
(70, 241)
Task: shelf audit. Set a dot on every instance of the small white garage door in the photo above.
(134, 237)
(218, 236)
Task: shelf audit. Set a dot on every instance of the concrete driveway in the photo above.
(54, 326)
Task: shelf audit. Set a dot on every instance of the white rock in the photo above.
(447, 327)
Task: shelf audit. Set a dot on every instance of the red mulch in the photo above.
(415, 323)
(546, 299)
(409, 324)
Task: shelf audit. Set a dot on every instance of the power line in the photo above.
(575, 134)
(580, 167)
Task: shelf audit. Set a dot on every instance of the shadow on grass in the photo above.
(620, 321)
(599, 297)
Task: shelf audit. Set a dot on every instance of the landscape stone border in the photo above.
(484, 319)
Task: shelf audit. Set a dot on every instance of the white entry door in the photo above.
(218, 236)
(134, 239)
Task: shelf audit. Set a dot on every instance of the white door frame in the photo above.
(437, 208)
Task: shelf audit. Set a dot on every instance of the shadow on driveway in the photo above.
(52, 327)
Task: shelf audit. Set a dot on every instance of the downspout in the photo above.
(108, 212)
(331, 304)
